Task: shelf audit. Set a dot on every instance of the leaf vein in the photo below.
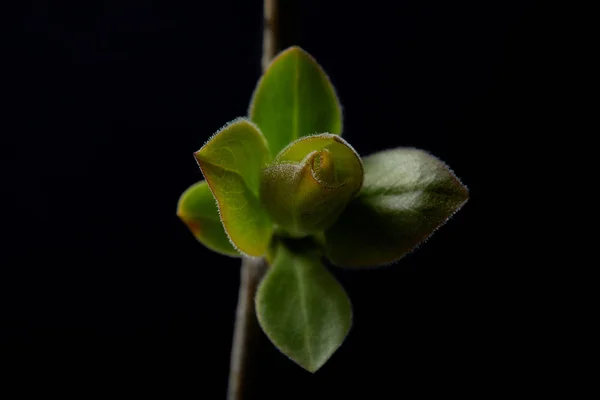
(302, 295)
(296, 99)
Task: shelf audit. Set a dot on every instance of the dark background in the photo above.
(104, 289)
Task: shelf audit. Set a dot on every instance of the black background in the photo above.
(104, 289)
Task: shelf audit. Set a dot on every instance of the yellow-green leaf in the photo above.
(294, 98)
(407, 194)
(302, 308)
(310, 182)
(197, 208)
(231, 162)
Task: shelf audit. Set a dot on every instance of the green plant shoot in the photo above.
(282, 184)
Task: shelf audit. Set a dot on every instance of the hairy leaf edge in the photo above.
(422, 241)
(334, 137)
(321, 70)
(185, 219)
(312, 370)
(234, 121)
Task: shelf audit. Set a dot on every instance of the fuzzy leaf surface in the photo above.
(302, 308)
(294, 98)
(231, 162)
(310, 182)
(197, 208)
(406, 195)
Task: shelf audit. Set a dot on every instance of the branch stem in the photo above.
(270, 32)
(246, 327)
(247, 330)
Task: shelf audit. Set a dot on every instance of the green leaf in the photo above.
(294, 98)
(231, 162)
(302, 308)
(197, 208)
(310, 182)
(406, 195)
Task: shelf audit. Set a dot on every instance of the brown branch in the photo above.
(246, 329)
(246, 326)
(270, 32)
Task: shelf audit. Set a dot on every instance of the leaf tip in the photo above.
(312, 368)
(199, 159)
(295, 49)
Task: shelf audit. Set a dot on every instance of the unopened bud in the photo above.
(310, 183)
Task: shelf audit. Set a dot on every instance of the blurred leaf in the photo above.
(407, 194)
(294, 98)
(310, 182)
(302, 308)
(197, 208)
(231, 162)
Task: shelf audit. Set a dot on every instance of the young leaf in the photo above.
(231, 162)
(197, 208)
(310, 182)
(406, 195)
(302, 308)
(294, 98)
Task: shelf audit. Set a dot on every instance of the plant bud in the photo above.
(310, 182)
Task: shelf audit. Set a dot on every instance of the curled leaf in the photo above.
(197, 208)
(231, 162)
(407, 194)
(310, 182)
(294, 98)
(302, 308)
